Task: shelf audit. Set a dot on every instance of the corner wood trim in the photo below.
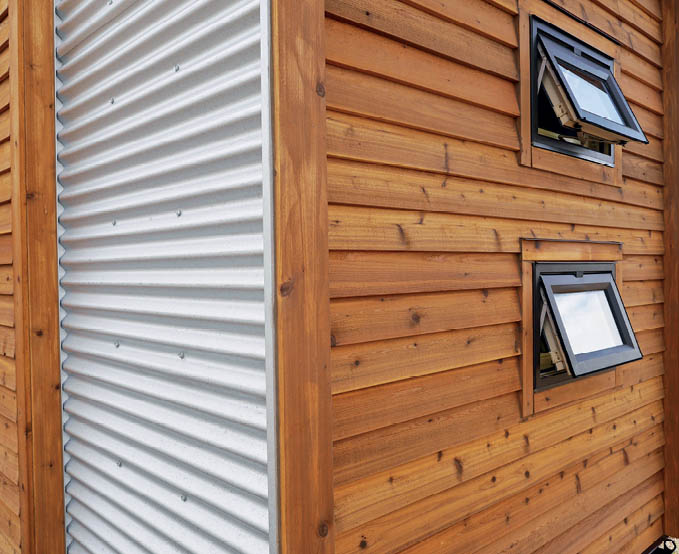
(33, 169)
(301, 272)
(670, 59)
(551, 250)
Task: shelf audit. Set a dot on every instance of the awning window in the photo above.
(581, 324)
(585, 95)
(577, 107)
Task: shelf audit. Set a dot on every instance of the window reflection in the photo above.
(588, 320)
(591, 94)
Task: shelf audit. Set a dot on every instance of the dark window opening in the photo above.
(577, 105)
(580, 322)
(550, 127)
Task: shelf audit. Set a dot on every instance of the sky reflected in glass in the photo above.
(588, 320)
(592, 95)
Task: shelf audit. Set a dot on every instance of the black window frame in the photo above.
(580, 277)
(559, 45)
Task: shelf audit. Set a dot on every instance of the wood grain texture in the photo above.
(361, 228)
(642, 169)
(640, 69)
(422, 504)
(35, 272)
(347, 44)
(651, 341)
(482, 528)
(575, 391)
(477, 15)
(627, 529)
(362, 94)
(651, 7)
(628, 36)
(541, 250)
(510, 6)
(524, 89)
(358, 139)
(8, 373)
(366, 410)
(373, 363)
(573, 167)
(626, 11)
(639, 293)
(367, 456)
(357, 320)
(428, 32)
(432, 185)
(653, 150)
(651, 365)
(351, 182)
(586, 530)
(639, 93)
(371, 273)
(644, 539)
(301, 253)
(643, 268)
(637, 476)
(651, 123)
(527, 370)
(670, 14)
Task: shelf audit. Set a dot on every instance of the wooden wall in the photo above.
(427, 204)
(31, 469)
(10, 525)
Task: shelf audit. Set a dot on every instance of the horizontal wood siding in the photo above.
(428, 204)
(10, 512)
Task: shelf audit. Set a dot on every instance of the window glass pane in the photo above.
(591, 94)
(588, 320)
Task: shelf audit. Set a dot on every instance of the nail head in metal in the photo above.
(176, 68)
(114, 222)
(184, 498)
(112, 100)
(119, 463)
(117, 344)
(179, 213)
(181, 355)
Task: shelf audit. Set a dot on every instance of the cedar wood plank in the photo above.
(301, 253)
(36, 297)
(645, 272)
(671, 172)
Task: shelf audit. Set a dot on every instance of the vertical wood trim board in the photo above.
(35, 270)
(670, 53)
(302, 297)
(527, 383)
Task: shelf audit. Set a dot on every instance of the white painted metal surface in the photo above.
(165, 250)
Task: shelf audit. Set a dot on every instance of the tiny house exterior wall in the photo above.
(294, 314)
(438, 442)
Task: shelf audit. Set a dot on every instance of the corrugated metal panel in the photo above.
(164, 202)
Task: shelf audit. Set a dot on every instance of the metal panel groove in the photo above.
(165, 249)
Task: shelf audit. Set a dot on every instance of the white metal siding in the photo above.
(165, 252)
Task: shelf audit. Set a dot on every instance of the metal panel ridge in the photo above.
(165, 241)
